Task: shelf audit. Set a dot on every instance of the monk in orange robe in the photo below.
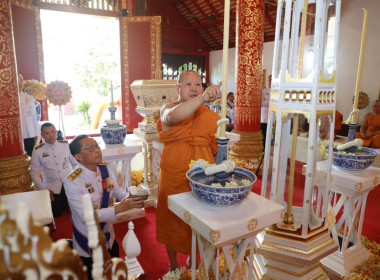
(370, 128)
(187, 128)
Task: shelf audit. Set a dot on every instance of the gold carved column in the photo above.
(247, 152)
(14, 162)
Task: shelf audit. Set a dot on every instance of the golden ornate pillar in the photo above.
(14, 162)
(248, 152)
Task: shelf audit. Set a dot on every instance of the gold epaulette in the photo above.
(103, 163)
(74, 174)
(39, 146)
(62, 141)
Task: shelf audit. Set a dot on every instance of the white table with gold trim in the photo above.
(226, 228)
(347, 203)
(119, 159)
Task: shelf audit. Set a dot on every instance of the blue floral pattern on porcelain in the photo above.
(220, 196)
(355, 162)
(113, 135)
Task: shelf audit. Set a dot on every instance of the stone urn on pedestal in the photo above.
(150, 95)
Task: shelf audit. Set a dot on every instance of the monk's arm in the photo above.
(364, 127)
(177, 112)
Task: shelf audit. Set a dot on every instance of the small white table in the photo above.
(347, 201)
(119, 157)
(221, 227)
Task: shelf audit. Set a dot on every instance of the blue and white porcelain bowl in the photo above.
(354, 162)
(113, 135)
(220, 196)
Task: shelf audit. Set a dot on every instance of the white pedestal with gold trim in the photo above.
(226, 228)
(348, 197)
(119, 159)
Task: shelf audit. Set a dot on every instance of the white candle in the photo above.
(111, 94)
(355, 118)
(225, 65)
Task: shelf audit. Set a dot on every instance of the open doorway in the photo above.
(84, 52)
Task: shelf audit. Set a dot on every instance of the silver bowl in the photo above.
(357, 161)
(220, 196)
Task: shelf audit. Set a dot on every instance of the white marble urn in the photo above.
(150, 95)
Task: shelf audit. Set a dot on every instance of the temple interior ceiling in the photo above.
(206, 17)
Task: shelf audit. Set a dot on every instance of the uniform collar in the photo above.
(51, 145)
(88, 171)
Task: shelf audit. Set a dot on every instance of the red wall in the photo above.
(139, 62)
(25, 42)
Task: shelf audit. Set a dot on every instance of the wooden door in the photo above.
(140, 40)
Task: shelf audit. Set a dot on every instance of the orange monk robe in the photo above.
(373, 122)
(191, 139)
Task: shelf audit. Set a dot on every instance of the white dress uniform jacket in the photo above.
(55, 161)
(85, 181)
(28, 114)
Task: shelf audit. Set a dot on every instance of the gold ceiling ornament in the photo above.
(363, 100)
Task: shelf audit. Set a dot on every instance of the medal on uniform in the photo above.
(105, 186)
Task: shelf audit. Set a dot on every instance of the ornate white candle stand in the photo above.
(348, 197)
(150, 95)
(303, 84)
(225, 228)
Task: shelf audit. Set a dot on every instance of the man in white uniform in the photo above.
(92, 177)
(56, 162)
(28, 113)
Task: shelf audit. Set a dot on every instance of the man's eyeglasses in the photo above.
(91, 148)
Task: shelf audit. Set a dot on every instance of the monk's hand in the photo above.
(212, 93)
(366, 136)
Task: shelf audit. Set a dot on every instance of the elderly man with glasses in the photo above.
(92, 176)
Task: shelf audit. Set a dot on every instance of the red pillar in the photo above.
(247, 152)
(14, 162)
(249, 50)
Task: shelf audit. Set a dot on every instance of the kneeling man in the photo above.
(91, 176)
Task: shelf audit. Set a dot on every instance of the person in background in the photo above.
(38, 110)
(265, 98)
(230, 111)
(324, 128)
(28, 114)
(370, 128)
(55, 161)
(187, 130)
(91, 176)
